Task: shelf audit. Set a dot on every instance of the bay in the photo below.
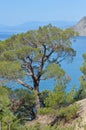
(5, 35)
(72, 69)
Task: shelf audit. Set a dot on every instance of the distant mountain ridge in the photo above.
(80, 27)
(34, 25)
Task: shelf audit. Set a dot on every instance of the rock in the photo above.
(80, 27)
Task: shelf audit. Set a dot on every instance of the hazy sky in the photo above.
(13, 12)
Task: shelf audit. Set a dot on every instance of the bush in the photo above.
(42, 127)
(68, 113)
(22, 104)
(56, 99)
(44, 111)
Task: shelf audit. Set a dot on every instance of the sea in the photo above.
(72, 69)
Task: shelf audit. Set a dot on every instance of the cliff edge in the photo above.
(80, 27)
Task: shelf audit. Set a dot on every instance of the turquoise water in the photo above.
(72, 69)
(5, 35)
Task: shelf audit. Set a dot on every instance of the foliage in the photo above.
(24, 95)
(22, 104)
(7, 118)
(82, 90)
(45, 111)
(9, 72)
(51, 70)
(68, 113)
(4, 98)
(38, 126)
(43, 95)
(55, 99)
(35, 53)
(70, 96)
(60, 103)
(59, 97)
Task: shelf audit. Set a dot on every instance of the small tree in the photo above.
(37, 55)
(82, 90)
(23, 103)
(7, 118)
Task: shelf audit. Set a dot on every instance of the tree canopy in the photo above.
(36, 53)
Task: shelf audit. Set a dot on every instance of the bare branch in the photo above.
(24, 84)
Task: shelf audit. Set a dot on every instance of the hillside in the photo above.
(78, 123)
(81, 27)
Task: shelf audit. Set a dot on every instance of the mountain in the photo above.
(34, 25)
(80, 27)
(7, 31)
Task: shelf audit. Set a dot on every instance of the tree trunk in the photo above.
(37, 106)
(35, 89)
(37, 100)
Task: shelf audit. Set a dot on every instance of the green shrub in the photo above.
(56, 99)
(68, 113)
(36, 126)
(43, 127)
(85, 127)
(44, 111)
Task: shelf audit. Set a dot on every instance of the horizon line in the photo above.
(1, 24)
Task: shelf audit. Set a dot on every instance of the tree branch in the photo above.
(30, 43)
(41, 63)
(24, 84)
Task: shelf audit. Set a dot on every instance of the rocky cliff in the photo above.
(80, 27)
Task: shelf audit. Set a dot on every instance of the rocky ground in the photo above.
(82, 115)
(79, 123)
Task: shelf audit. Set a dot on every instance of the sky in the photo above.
(14, 12)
